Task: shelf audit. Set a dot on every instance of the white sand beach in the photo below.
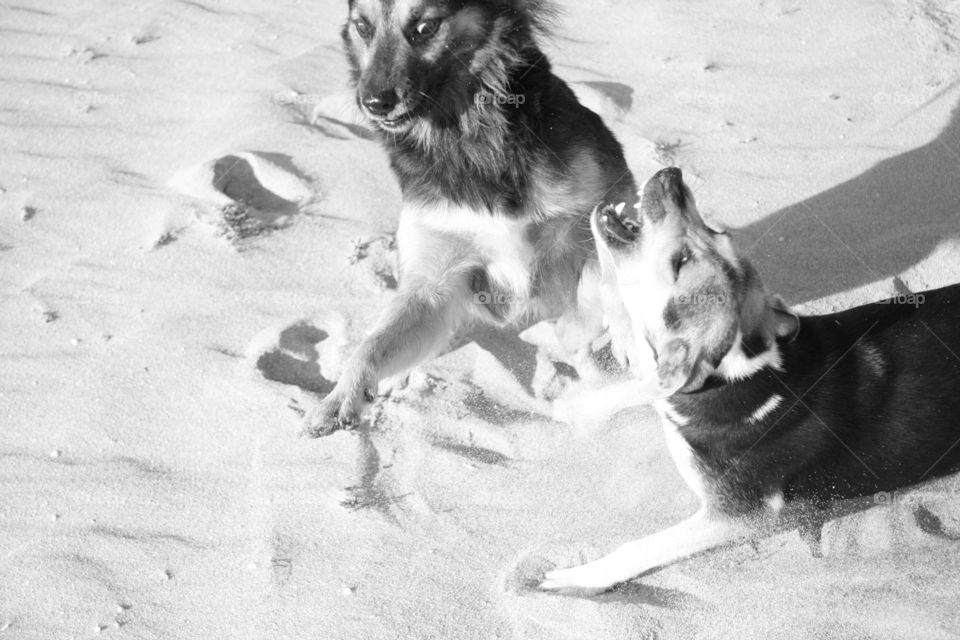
(157, 338)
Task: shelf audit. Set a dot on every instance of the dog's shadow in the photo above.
(525, 360)
(872, 227)
(516, 356)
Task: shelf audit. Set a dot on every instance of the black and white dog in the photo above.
(500, 167)
(767, 412)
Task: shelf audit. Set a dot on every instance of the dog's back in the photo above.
(888, 389)
(864, 400)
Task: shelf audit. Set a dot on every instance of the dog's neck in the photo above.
(745, 387)
(755, 346)
(749, 354)
(485, 149)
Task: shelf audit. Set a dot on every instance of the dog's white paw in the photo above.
(587, 579)
(339, 410)
(563, 410)
(580, 409)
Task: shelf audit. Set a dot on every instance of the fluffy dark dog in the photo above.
(500, 167)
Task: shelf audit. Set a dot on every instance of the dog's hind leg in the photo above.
(418, 323)
(705, 530)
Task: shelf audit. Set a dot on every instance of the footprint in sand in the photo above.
(379, 255)
(300, 354)
(248, 193)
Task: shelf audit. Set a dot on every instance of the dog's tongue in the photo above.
(666, 185)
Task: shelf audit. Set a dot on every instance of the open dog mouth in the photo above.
(398, 123)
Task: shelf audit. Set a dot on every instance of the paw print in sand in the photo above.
(292, 356)
(251, 193)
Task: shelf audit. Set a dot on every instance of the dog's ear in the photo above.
(677, 366)
(786, 322)
(674, 365)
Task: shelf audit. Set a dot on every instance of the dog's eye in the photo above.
(364, 28)
(425, 29)
(679, 259)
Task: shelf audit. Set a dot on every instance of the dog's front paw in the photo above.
(568, 409)
(587, 580)
(583, 409)
(339, 410)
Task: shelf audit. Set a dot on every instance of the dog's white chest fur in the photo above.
(679, 448)
(447, 239)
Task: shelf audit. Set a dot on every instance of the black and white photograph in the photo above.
(480, 320)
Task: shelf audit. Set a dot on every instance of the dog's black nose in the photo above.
(382, 103)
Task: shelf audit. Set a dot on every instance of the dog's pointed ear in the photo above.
(680, 368)
(677, 366)
(786, 322)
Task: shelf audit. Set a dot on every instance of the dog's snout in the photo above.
(666, 186)
(382, 103)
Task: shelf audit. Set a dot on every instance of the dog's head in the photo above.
(433, 59)
(686, 291)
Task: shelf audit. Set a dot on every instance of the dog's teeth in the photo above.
(623, 229)
(619, 208)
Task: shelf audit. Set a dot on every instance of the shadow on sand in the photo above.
(870, 228)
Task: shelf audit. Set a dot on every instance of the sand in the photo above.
(158, 337)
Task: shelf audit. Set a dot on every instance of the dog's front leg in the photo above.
(586, 407)
(704, 531)
(418, 323)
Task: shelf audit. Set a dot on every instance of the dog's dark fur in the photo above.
(772, 417)
(882, 411)
(499, 166)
